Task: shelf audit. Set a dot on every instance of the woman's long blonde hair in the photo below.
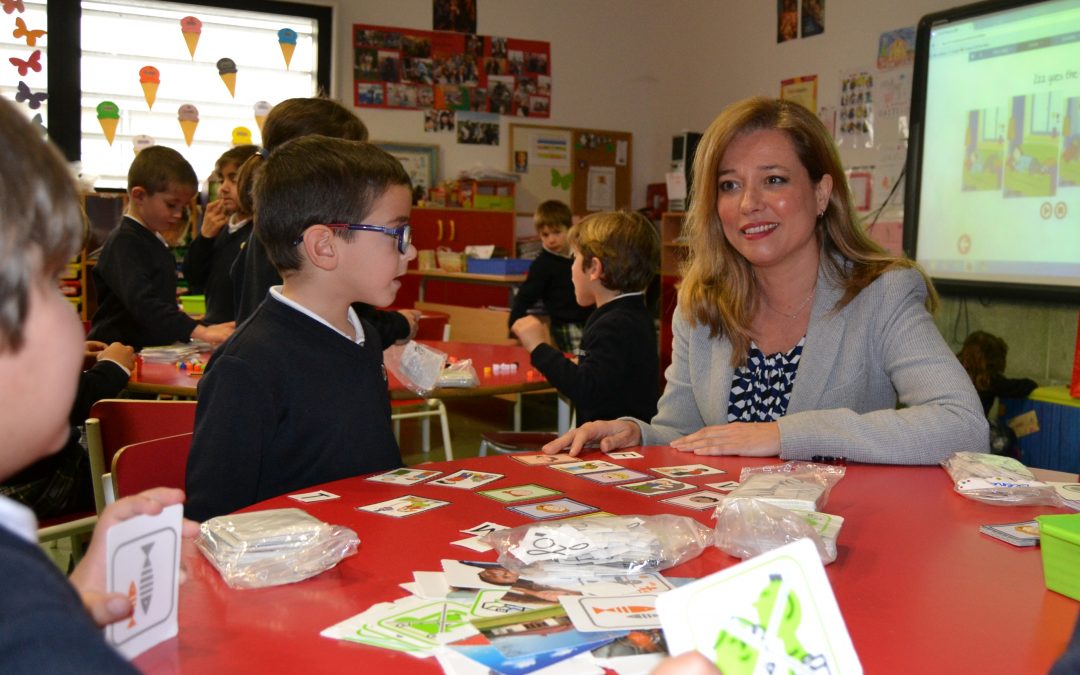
(718, 288)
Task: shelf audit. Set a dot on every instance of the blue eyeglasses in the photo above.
(403, 234)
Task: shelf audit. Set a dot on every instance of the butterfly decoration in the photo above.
(39, 124)
(33, 63)
(33, 100)
(561, 180)
(13, 6)
(22, 31)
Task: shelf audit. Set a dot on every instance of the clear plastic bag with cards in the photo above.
(600, 546)
(746, 527)
(274, 547)
(417, 366)
(994, 479)
(792, 485)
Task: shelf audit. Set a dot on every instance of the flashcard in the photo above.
(656, 486)
(400, 507)
(557, 508)
(431, 584)
(724, 486)
(404, 476)
(466, 480)
(686, 470)
(699, 501)
(1017, 534)
(776, 610)
(586, 467)
(625, 454)
(519, 493)
(473, 544)
(623, 612)
(477, 574)
(545, 460)
(609, 477)
(317, 496)
(143, 562)
(483, 528)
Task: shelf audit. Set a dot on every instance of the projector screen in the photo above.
(992, 201)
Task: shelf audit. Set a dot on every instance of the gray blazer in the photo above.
(883, 347)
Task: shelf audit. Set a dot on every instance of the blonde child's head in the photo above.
(552, 220)
(625, 243)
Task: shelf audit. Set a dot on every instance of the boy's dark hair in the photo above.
(236, 155)
(313, 180)
(39, 209)
(293, 118)
(625, 242)
(553, 213)
(158, 167)
(983, 356)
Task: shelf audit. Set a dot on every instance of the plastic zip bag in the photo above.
(747, 527)
(417, 366)
(994, 479)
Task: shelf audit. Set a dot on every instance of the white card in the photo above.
(466, 480)
(586, 467)
(483, 528)
(557, 508)
(723, 486)
(699, 501)
(143, 562)
(687, 470)
(625, 454)
(401, 507)
(317, 496)
(404, 476)
(593, 614)
(432, 584)
(545, 460)
(758, 611)
(473, 544)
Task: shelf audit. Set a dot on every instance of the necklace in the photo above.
(798, 309)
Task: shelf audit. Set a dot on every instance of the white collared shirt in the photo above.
(156, 234)
(354, 321)
(18, 519)
(236, 223)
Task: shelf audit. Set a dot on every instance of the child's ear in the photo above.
(596, 270)
(137, 194)
(320, 247)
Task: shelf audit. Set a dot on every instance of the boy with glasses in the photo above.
(299, 396)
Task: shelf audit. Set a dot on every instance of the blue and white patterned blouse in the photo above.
(761, 389)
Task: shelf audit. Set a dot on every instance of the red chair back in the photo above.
(160, 462)
(126, 421)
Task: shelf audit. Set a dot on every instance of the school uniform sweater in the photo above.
(287, 403)
(617, 374)
(135, 280)
(206, 269)
(549, 280)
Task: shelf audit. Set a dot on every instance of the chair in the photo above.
(423, 409)
(115, 423)
(72, 526)
(161, 462)
(513, 442)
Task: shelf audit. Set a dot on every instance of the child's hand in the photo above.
(530, 331)
(89, 576)
(215, 334)
(413, 317)
(214, 219)
(119, 352)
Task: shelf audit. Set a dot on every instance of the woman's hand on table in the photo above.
(750, 439)
(88, 578)
(609, 435)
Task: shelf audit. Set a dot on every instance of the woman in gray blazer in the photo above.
(795, 334)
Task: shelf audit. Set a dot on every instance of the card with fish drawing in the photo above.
(592, 614)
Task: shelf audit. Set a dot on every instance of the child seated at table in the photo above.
(548, 280)
(298, 396)
(615, 256)
(135, 275)
(984, 355)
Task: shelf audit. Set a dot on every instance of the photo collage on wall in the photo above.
(444, 71)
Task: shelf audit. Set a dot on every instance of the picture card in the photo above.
(655, 486)
(591, 466)
(401, 507)
(1017, 534)
(625, 454)
(519, 493)
(404, 476)
(466, 480)
(758, 611)
(316, 496)
(592, 614)
(686, 470)
(142, 559)
(724, 486)
(545, 460)
(611, 477)
(483, 528)
(699, 501)
(557, 508)
(473, 544)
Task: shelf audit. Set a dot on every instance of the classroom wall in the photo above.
(656, 68)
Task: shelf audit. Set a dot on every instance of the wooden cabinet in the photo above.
(454, 229)
(673, 250)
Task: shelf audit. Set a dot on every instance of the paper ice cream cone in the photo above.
(230, 81)
(192, 40)
(287, 42)
(109, 127)
(189, 127)
(149, 90)
(192, 29)
(260, 120)
(188, 116)
(227, 70)
(108, 115)
(262, 109)
(287, 51)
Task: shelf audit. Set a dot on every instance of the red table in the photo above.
(163, 378)
(921, 590)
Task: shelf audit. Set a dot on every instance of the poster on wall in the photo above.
(455, 15)
(801, 90)
(856, 114)
(419, 69)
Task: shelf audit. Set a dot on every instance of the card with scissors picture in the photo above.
(591, 466)
(656, 486)
(519, 493)
(699, 501)
(404, 476)
(686, 471)
(557, 508)
(466, 480)
(612, 477)
(316, 496)
(401, 507)
(545, 460)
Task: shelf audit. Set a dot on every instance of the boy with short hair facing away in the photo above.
(549, 279)
(135, 276)
(615, 256)
(298, 396)
(224, 232)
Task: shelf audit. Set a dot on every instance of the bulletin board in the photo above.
(589, 169)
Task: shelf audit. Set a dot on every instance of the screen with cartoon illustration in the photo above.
(993, 197)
